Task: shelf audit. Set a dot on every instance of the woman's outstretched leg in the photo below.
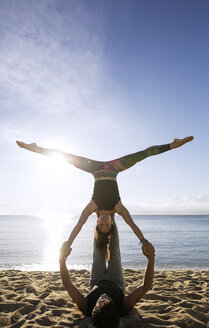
(82, 163)
(180, 142)
(118, 165)
(123, 163)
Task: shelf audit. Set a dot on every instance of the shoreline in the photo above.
(42, 268)
(178, 298)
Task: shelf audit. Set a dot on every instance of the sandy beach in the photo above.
(38, 299)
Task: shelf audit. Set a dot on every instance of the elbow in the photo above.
(78, 227)
(65, 279)
(147, 286)
(146, 289)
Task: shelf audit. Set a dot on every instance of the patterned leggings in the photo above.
(113, 271)
(116, 165)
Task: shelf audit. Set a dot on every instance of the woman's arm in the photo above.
(88, 210)
(122, 210)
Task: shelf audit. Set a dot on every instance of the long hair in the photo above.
(103, 239)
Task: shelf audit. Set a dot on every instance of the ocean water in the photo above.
(32, 243)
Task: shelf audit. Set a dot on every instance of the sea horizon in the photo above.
(32, 243)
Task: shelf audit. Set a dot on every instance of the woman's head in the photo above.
(104, 229)
(105, 220)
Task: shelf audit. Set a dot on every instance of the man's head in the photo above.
(105, 314)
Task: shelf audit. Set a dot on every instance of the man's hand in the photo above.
(148, 250)
(65, 251)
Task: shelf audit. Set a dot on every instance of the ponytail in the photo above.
(103, 239)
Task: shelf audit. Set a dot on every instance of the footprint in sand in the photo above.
(33, 301)
(12, 295)
(192, 322)
(57, 312)
(45, 321)
(44, 295)
(30, 316)
(11, 307)
(18, 324)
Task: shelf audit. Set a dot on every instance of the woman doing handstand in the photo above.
(106, 199)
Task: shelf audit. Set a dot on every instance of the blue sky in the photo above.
(102, 79)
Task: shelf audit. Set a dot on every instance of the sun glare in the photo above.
(55, 164)
(54, 225)
(58, 162)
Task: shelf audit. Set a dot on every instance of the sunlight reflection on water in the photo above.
(54, 225)
(57, 229)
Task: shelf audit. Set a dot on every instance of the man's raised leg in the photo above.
(115, 270)
(98, 269)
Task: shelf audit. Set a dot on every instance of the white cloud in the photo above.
(16, 209)
(168, 207)
(188, 205)
(47, 63)
(200, 199)
(53, 76)
(9, 133)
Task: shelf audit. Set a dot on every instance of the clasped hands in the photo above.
(147, 249)
(65, 250)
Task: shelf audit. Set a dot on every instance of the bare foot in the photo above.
(31, 146)
(180, 142)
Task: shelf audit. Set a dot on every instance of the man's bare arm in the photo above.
(72, 290)
(139, 292)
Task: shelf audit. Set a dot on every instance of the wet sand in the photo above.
(38, 299)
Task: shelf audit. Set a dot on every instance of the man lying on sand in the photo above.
(106, 301)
